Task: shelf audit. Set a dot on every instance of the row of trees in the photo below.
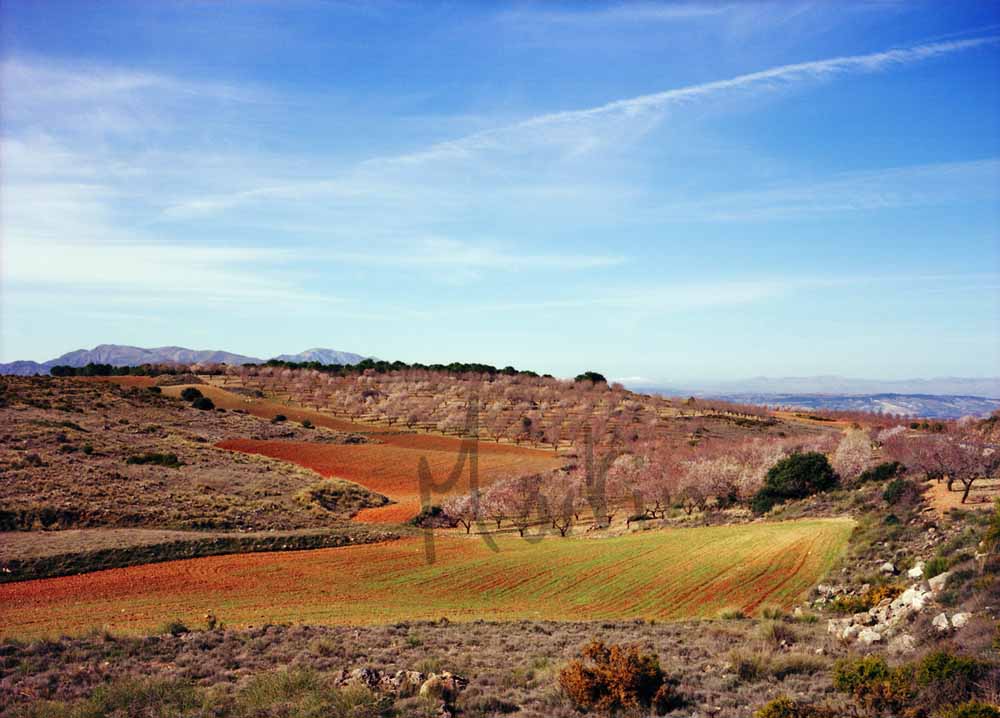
(654, 477)
(97, 369)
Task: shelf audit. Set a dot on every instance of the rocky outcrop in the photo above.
(885, 622)
(943, 623)
(441, 688)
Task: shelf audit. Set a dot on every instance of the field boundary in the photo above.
(80, 562)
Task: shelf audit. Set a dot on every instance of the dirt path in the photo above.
(983, 495)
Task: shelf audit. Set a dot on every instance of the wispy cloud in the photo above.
(34, 80)
(662, 298)
(540, 128)
(444, 253)
(104, 99)
(896, 188)
(623, 12)
(665, 297)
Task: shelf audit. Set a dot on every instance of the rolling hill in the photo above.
(124, 355)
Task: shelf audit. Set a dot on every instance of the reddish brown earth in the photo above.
(391, 468)
(581, 578)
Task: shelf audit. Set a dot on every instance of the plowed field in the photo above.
(671, 574)
(391, 468)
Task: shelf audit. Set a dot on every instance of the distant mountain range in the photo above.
(827, 384)
(942, 398)
(119, 355)
(935, 406)
(323, 356)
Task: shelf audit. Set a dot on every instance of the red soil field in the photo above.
(390, 468)
(662, 575)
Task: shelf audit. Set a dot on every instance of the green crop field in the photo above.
(656, 574)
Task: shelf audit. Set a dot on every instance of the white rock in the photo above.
(960, 619)
(869, 636)
(902, 643)
(836, 626)
(887, 567)
(881, 614)
(940, 622)
(912, 599)
(917, 571)
(939, 581)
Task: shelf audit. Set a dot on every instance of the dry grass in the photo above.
(509, 665)
(70, 451)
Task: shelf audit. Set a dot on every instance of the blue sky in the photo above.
(673, 191)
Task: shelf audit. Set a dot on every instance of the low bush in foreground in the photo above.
(939, 685)
(616, 678)
(284, 694)
(785, 707)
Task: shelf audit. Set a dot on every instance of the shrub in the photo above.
(305, 693)
(794, 477)
(876, 688)
(203, 403)
(88, 449)
(154, 390)
(174, 627)
(732, 614)
(278, 418)
(306, 424)
(875, 595)
(776, 633)
(945, 678)
(938, 680)
(935, 567)
(797, 664)
(973, 709)
(615, 678)
(169, 460)
(869, 599)
(882, 472)
(900, 489)
(992, 538)
(152, 697)
(785, 707)
(749, 667)
(190, 394)
(850, 674)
